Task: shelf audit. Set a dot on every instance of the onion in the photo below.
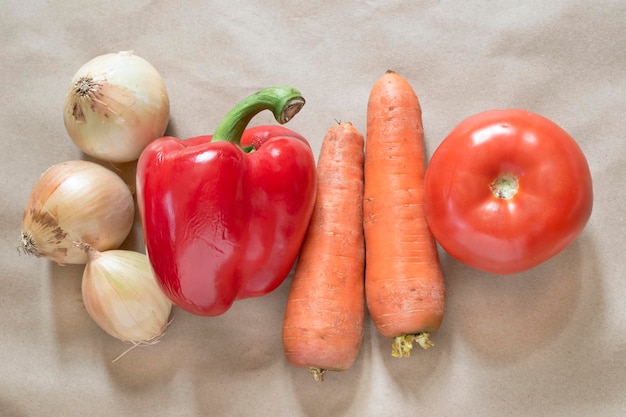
(115, 106)
(75, 203)
(123, 297)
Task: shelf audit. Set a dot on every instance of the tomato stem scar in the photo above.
(505, 186)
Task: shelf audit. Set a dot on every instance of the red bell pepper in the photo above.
(224, 216)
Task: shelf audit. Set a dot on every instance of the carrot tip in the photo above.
(318, 373)
(402, 345)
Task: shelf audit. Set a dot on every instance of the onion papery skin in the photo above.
(115, 106)
(122, 296)
(72, 204)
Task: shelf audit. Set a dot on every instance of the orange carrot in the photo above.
(324, 316)
(404, 285)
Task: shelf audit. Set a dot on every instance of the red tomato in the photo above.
(507, 190)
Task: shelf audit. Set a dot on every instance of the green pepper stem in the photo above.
(284, 102)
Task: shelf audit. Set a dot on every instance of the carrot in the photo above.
(325, 311)
(404, 284)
